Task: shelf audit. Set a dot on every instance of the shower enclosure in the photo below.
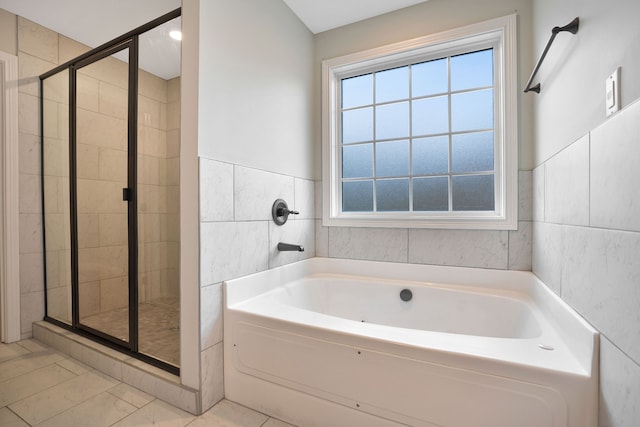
(110, 170)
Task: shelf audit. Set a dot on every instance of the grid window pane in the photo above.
(392, 158)
(357, 161)
(420, 137)
(392, 120)
(357, 91)
(430, 116)
(357, 196)
(473, 193)
(430, 156)
(431, 194)
(429, 78)
(472, 110)
(472, 70)
(392, 85)
(392, 195)
(357, 125)
(472, 152)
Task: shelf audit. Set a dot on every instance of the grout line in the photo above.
(18, 416)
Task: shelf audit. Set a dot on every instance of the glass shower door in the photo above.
(102, 196)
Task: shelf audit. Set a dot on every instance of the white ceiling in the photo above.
(323, 15)
(94, 22)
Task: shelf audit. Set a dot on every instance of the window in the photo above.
(424, 133)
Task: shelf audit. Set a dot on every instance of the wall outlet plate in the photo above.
(612, 92)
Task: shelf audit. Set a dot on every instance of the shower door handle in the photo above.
(126, 194)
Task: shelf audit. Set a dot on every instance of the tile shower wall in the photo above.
(586, 248)
(102, 103)
(39, 50)
(465, 248)
(238, 237)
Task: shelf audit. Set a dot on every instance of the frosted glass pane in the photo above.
(430, 155)
(431, 194)
(357, 91)
(392, 85)
(473, 193)
(430, 116)
(357, 125)
(472, 152)
(472, 110)
(392, 120)
(392, 158)
(357, 196)
(429, 78)
(472, 70)
(357, 161)
(392, 195)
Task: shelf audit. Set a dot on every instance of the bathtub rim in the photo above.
(580, 337)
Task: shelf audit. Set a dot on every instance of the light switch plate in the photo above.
(612, 92)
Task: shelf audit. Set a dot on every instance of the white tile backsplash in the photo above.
(525, 195)
(216, 191)
(567, 185)
(600, 278)
(256, 190)
(322, 239)
(211, 361)
(298, 232)
(615, 173)
(232, 249)
(619, 388)
(520, 246)
(211, 321)
(304, 199)
(464, 248)
(546, 255)
(374, 244)
(538, 178)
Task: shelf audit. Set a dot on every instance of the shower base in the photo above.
(158, 327)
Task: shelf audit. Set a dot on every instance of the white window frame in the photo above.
(502, 33)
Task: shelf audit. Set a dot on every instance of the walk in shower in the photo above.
(110, 171)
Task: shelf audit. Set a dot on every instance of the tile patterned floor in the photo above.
(158, 327)
(40, 386)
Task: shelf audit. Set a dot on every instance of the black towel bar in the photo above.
(571, 27)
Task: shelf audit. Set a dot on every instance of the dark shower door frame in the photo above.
(129, 193)
(126, 41)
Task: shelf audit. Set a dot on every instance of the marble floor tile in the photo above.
(57, 399)
(272, 422)
(16, 367)
(9, 419)
(10, 351)
(29, 384)
(229, 414)
(68, 393)
(100, 411)
(131, 395)
(157, 413)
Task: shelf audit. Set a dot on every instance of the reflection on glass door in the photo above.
(101, 153)
(158, 162)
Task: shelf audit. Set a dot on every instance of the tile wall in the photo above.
(586, 234)
(238, 237)
(465, 248)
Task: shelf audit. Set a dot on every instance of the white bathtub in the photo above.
(328, 342)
